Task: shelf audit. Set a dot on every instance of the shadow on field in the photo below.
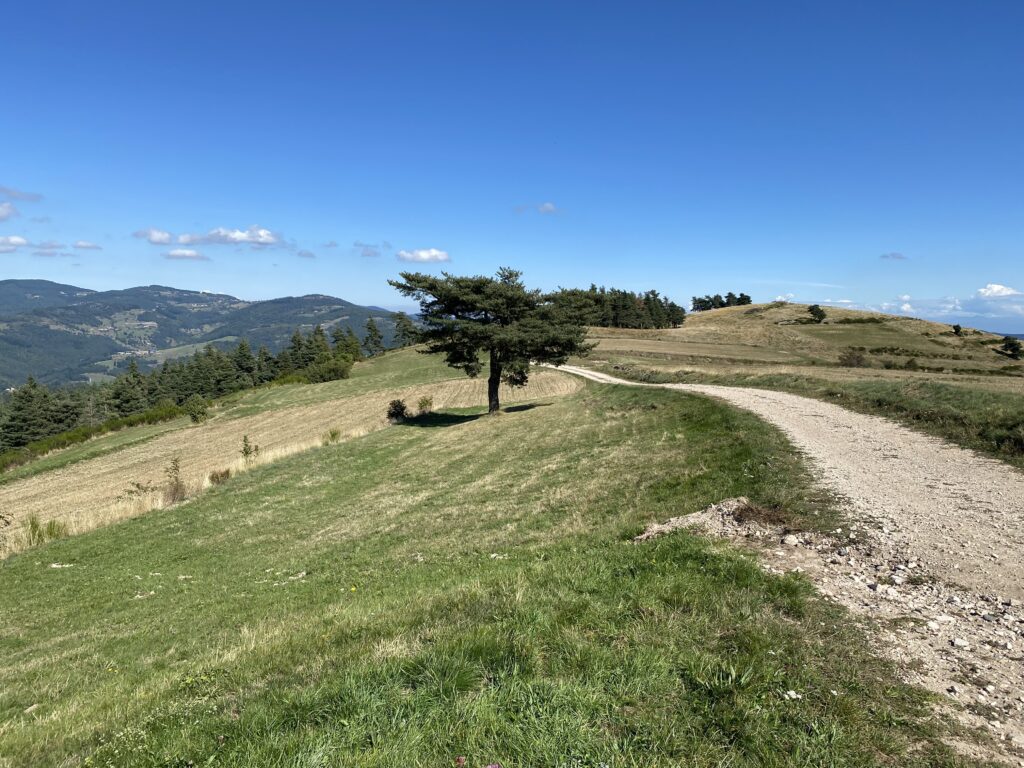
(436, 419)
(441, 419)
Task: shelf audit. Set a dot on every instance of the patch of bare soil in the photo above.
(964, 646)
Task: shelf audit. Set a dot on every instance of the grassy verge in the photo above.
(986, 421)
(454, 587)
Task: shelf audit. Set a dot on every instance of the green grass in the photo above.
(987, 421)
(454, 586)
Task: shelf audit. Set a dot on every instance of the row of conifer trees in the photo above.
(34, 413)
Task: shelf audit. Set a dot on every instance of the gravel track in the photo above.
(958, 513)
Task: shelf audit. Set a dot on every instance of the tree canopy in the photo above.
(464, 318)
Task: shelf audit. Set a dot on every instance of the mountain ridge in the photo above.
(61, 333)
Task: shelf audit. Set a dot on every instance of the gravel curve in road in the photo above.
(961, 515)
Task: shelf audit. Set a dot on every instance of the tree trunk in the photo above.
(492, 384)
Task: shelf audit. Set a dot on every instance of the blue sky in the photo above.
(866, 152)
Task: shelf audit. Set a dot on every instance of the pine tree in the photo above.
(405, 330)
(28, 415)
(318, 346)
(130, 392)
(466, 316)
(373, 342)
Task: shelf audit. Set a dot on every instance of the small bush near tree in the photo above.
(397, 411)
(852, 358)
(425, 405)
(816, 313)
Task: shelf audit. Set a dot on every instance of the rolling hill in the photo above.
(61, 333)
(772, 337)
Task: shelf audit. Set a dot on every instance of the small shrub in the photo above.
(219, 476)
(249, 450)
(889, 364)
(175, 490)
(958, 330)
(197, 409)
(911, 365)
(817, 313)
(397, 411)
(852, 358)
(425, 405)
(331, 436)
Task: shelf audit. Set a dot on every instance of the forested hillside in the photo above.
(60, 334)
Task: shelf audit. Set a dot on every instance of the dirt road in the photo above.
(933, 551)
(960, 514)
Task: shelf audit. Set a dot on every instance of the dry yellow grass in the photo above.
(91, 493)
(771, 333)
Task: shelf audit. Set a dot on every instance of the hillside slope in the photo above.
(458, 586)
(60, 333)
(778, 334)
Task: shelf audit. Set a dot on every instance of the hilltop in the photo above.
(62, 333)
(779, 334)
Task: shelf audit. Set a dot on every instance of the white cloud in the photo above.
(547, 208)
(907, 307)
(12, 242)
(17, 194)
(155, 236)
(330, 244)
(785, 297)
(185, 254)
(7, 211)
(894, 257)
(85, 245)
(904, 297)
(254, 235)
(424, 255)
(995, 291)
(304, 254)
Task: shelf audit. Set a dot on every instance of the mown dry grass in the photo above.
(92, 492)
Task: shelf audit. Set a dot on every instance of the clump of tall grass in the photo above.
(37, 533)
(331, 436)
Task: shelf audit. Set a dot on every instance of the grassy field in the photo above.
(969, 393)
(124, 473)
(457, 586)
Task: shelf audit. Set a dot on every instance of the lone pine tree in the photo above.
(464, 317)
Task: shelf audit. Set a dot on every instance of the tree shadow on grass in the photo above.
(525, 407)
(442, 419)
